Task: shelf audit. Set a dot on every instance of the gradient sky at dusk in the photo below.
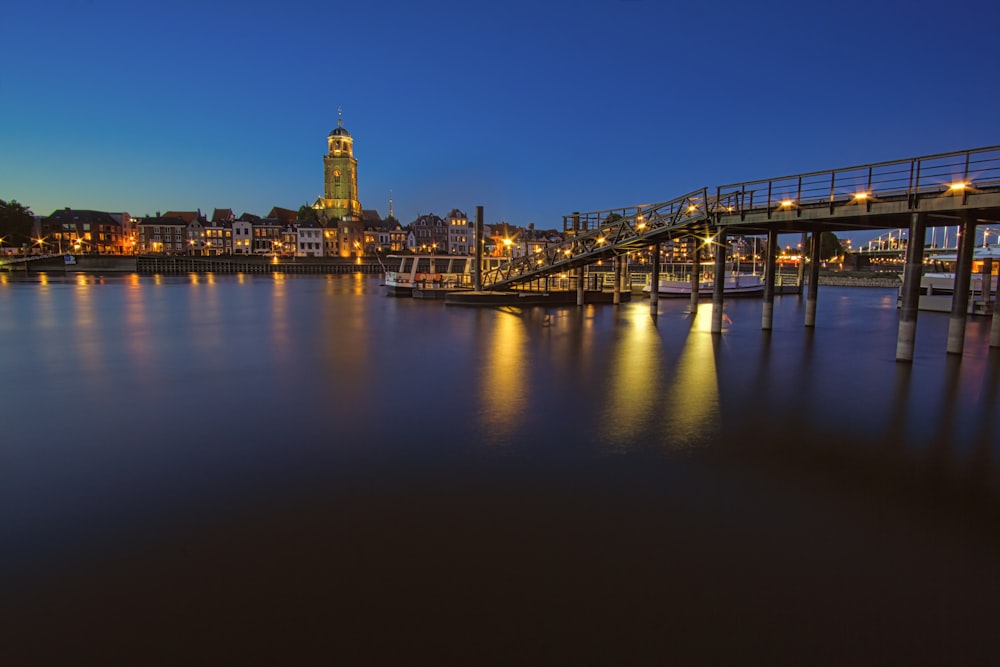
(530, 109)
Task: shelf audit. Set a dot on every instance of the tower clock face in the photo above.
(336, 172)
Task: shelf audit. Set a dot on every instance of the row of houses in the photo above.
(281, 233)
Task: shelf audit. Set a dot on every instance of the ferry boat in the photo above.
(937, 282)
(676, 282)
(433, 276)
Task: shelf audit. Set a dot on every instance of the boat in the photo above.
(937, 282)
(675, 281)
(433, 276)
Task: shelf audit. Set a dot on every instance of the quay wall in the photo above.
(152, 264)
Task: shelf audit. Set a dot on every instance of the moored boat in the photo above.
(676, 282)
(432, 276)
(937, 284)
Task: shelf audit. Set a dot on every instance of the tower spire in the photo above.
(340, 117)
(390, 206)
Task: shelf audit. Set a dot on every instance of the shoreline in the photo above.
(151, 265)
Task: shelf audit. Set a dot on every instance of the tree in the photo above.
(16, 222)
(307, 212)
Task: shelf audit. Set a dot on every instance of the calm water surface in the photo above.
(284, 469)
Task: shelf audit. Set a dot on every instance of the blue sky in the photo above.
(529, 109)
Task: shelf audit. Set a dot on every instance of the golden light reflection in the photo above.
(281, 342)
(691, 407)
(634, 389)
(87, 336)
(504, 394)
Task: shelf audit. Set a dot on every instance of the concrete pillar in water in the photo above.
(802, 263)
(477, 274)
(995, 302)
(911, 288)
(986, 284)
(579, 286)
(654, 282)
(617, 294)
(719, 284)
(813, 293)
(695, 275)
(995, 326)
(767, 311)
(963, 278)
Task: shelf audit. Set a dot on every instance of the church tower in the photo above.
(340, 170)
(339, 209)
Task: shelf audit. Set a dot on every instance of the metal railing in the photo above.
(910, 180)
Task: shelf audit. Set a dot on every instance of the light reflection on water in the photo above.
(134, 400)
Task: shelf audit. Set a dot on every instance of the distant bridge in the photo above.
(948, 189)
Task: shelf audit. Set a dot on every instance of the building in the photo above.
(84, 231)
(430, 234)
(163, 234)
(461, 239)
(309, 239)
(339, 208)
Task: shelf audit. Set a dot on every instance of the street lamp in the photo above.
(507, 247)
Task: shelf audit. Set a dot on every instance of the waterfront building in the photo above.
(219, 231)
(308, 239)
(267, 236)
(162, 234)
(72, 230)
(430, 234)
(242, 229)
(460, 237)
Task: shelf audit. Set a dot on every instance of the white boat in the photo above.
(676, 282)
(433, 276)
(937, 283)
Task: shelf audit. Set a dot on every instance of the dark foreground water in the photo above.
(301, 470)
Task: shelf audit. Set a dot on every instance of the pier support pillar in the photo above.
(767, 311)
(617, 295)
(801, 269)
(626, 275)
(994, 300)
(654, 282)
(986, 291)
(719, 282)
(579, 286)
(477, 263)
(963, 279)
(911, 288)
(995, 326)
(695, 275)
(813, 293)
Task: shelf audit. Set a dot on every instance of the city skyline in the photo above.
(530, 111)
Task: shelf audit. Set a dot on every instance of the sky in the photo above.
(531, 110)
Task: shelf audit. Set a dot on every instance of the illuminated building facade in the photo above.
(339, 208)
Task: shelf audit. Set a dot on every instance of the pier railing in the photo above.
(592, 236)
(909, 180)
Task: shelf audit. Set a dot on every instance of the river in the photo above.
(298, 469)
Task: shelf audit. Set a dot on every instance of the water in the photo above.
(284, 469)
